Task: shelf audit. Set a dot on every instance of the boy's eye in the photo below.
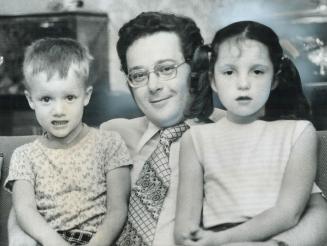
(71, 97)
(45, 99)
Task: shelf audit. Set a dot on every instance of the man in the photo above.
(156, 50)
(145, 44)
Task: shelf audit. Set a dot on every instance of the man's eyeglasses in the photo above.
(165, 70)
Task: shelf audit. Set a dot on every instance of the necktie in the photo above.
(150, 191)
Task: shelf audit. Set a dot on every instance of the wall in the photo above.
(209, 14)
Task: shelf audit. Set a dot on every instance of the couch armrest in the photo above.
(7, 146)
(1, 162)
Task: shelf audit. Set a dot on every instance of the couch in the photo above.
(8, 144)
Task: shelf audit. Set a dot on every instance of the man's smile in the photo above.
(158, 100)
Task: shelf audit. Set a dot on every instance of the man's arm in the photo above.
(312, 228)
(310, 231)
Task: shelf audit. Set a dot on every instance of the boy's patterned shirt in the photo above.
(70, 184)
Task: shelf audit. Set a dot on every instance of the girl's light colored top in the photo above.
(243, 166)
(70, 183)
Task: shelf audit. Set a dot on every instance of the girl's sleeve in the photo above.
(117, 154)
(20, 168)
(299, 129)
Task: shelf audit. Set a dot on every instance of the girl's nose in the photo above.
(154, 84)
(243, 83)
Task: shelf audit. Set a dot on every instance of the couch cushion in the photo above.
(322, 162)
(7, 146)
(1, 161)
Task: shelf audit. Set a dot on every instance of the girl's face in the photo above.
(243, 76)
(58, 104)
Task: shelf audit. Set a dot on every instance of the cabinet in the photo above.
(17, 32)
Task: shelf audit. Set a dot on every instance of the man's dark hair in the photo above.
(148, 23)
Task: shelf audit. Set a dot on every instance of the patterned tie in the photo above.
(149, 192)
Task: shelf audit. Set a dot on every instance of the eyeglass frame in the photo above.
(176, 66)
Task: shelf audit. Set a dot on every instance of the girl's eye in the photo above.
(45, 99)
(258, 72)
(70, 97)
(229, 72)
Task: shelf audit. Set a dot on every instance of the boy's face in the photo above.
(58, 103)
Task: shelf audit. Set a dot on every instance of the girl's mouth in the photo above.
(243, 98)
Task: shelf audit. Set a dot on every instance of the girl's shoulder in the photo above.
(296, 124)
(203, 127)
(293, 127)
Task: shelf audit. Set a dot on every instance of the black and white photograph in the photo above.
(163, 122)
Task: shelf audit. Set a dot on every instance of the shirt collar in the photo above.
(149, 133)
(152, 130)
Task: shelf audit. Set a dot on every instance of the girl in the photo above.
(71, 185)
(249, 175)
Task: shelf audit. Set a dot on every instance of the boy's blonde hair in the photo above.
(56, 56)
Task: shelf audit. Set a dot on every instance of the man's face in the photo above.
(162, 101)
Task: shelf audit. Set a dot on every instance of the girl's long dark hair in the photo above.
(200, 89)
(286, 101)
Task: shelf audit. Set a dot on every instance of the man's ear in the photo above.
(213, 82)
(88, 93)
(29, 99)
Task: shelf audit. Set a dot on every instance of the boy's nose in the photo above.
(154, 84)
(58, 109)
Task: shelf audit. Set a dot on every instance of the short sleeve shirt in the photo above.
(70, 184)
(243, 166)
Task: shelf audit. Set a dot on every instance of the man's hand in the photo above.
(267, 243)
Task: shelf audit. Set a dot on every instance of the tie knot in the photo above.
(171, 134)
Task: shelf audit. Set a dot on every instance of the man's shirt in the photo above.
(142, 137)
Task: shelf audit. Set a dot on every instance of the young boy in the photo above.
(71, 185)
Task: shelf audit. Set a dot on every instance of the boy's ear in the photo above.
(88, 92)
(213, 82)
(29, 99)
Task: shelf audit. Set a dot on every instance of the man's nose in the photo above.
(154, 84)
